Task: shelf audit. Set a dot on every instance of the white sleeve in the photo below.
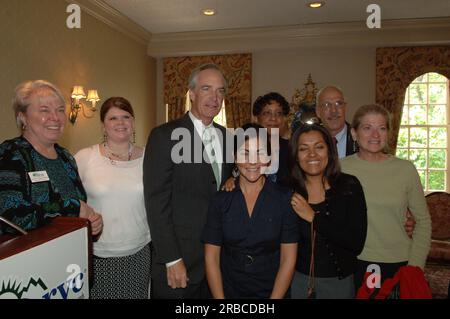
(82, 158)
(173, 262)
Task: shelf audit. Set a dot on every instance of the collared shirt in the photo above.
(250, 245)
(341, 138)
(200, 128)
(279, 162)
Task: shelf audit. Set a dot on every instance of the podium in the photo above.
(51, 262)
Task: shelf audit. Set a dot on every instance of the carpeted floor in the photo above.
(438, 276)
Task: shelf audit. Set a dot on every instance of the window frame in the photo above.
(406, 108)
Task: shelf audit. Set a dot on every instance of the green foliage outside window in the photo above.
(423, 132)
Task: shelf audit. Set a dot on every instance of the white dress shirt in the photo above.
(200, 128)
(341, 139)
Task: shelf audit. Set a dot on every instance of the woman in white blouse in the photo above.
(111, 173)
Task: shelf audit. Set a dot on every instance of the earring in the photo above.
(235, 172)
(105, 137)
(355, 147)
(134, 137)
(20, 123)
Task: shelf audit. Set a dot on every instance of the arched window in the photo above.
(424, 130)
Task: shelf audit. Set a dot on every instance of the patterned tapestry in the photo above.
(237, 69)
(396, 68)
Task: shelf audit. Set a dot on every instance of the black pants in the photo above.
(388, 270)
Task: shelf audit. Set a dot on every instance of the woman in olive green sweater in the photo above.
(391, 186)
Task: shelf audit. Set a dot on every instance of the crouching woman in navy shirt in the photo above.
(251, 233)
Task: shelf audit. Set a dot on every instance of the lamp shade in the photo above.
(78, 92)
(92, 96)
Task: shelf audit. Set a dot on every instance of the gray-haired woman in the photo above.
(38, 178)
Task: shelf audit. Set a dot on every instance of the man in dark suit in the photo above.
(178, 184)
(330, 108)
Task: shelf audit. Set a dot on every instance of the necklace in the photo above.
(122, 157)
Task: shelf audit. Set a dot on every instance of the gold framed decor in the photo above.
(303, 103)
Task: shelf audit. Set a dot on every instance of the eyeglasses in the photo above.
(338, 104)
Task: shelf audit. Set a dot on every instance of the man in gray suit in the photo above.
(177, 192)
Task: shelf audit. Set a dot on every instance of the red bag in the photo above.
(410, 280)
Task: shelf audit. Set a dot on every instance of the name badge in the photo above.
(38, 176)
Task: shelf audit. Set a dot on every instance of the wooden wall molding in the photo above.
(100, 10)
(405, 32)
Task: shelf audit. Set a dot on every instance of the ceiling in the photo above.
(166, 16)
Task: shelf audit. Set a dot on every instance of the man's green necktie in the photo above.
(209, 147)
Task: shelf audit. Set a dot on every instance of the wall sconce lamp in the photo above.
(75, 103)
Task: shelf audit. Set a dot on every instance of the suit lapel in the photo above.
(203, 168)
(349, 149)
(227, 153)
(223, 145)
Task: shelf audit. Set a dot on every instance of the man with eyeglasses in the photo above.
(330, 108)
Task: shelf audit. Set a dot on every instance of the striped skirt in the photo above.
(125, 277)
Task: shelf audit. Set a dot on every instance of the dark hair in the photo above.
(262, 101)
(332, 170)
(261, 132)
(119, 102)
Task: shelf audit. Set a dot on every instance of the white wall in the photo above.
(341, 54)
(284, 71)
(38, 45)
(351, 69)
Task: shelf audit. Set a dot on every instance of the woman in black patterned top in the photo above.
(38, 178)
